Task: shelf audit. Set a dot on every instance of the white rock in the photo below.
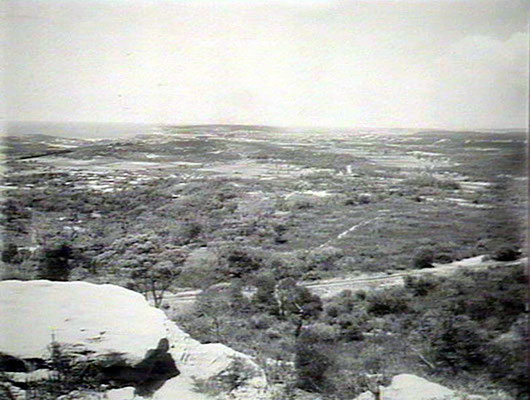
(24, 377)
(411, 387)
(198, 362)
(126, 393)
(12, 391)
(102, 318)
(366, 396)
(109, 319)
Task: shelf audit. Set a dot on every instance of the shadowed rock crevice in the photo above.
(148, 375)
(12, 364)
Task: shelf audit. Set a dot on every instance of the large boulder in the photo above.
(411, 387)
(101, 318)
(96, 322)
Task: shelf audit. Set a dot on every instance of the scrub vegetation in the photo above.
(250, 214)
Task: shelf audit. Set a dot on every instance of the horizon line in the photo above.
(169, 124)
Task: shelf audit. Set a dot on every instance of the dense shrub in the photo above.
(9, 253)
(458, 343)
(506, 253)
(423, 258)
(264, 299)
(389, 301)
(421, 285)
(67, 374)
(311, 362)
(238, 263)
(54, 263)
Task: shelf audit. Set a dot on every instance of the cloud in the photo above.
(325, 63)
(482, 80)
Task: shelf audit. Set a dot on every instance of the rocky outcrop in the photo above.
(137, 349)
(411, 387)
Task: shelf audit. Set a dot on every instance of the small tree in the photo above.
(458, 343)
(297, 302)
(155, 279)
(54, 264)
(423, 258)
(263, 299)
(240, 263)
(9, 253)
(311, 362)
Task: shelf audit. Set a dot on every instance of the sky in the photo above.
(420, 64)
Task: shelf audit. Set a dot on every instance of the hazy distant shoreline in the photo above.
(95, 130)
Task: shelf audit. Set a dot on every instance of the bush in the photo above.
(343, 303)
(263, 300)
(239, 263)
(323, 259)
(66, 374)
(421, 285)
(351, 327)
(423, 259)
(458, 343)
(506, 253)
(506, 358)
(9, 253)
(262, 321)
(324, 332)
(311, 363)
(54, 264)
(428, 180)
(389, 301)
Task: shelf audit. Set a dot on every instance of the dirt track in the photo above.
(328, 288)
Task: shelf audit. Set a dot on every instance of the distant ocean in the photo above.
(78, 130)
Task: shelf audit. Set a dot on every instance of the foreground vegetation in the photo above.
(466, 332)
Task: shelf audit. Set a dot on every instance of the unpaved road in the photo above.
(332, 287)
(328, 288)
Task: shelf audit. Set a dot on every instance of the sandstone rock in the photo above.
(126, 393)
(9, 391)
(411, 387)
(82, 395)
(366, 396)
(101, 318)
(95, 321)
(26, 377)
(205, 362)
